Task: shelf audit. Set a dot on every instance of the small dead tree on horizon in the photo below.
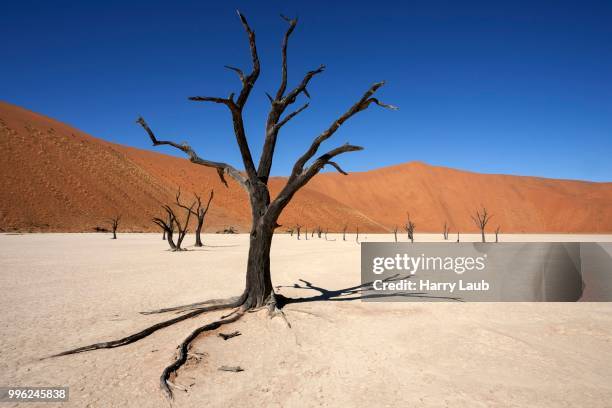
(497, 233)
(357, 236)
(298, 228)
(409, 227)
(446, 231)
(114, 223)
(395, 232)
(481, 219)
(259, 290)
(344, 232)
(199, 212)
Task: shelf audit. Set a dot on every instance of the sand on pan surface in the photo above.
(61, 291)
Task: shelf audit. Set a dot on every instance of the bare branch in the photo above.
(238, 71)
(361, 105)
(291, 116)
(250, 79)
(222, 168)
(283, 84)
(225, 101)
(301, 88)
(294, 185)
(337, 167)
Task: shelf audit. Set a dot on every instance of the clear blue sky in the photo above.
(521, 87)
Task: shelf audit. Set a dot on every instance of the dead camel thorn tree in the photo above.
(409, 227)
(258, 291)
(497, 233)
(481, 219)
(168, 226)
(395, 232)
(298, 228)
(199, 212)
(344, 232)
(446, 231)
(114, 223)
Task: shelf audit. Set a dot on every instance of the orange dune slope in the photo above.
(57, 178)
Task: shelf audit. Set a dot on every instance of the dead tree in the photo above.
(481, 218)
(457, 236)
(290, 231)
(357, 236)
(167, 226)
(199, 212)
(114, 222)
(344, 232)
(265, 212)
(409, 227)
(298, 229)
(395, 232)
(306, 233)
(497, 233)
(446, 231)
(319, 232)
(326, 231)
(173, 221)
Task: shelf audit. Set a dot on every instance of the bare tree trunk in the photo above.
(259, 288)
(198, 231)
(344, 233)
(357, 236)
(164, 235)
(170, 238)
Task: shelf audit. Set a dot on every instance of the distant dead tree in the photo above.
(199, 212)
(344, 232)
(173, 221)
(357, 236)
(114, 223)
(254, 178)
(290, 231)
(457, 236)
(298, 228)
(326, 231)
(306, 233)
(446, 231)
(319, 232)
(497, 233)
(409, 227)
(481, 218)
(395, 232)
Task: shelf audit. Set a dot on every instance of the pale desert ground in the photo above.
(60, 291)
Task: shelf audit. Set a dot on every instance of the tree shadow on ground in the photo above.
(362, 291)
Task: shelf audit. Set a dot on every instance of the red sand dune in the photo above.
(57, 178)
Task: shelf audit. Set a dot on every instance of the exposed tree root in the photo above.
(149, 330)
(193, 306)
(164, 380)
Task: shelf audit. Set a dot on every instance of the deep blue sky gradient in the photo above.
(517, 87)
